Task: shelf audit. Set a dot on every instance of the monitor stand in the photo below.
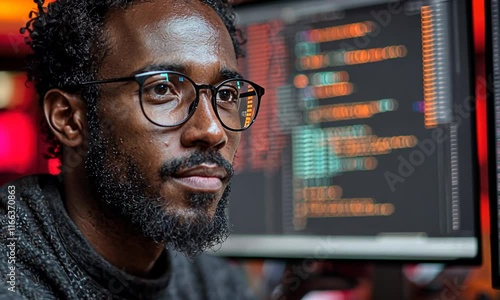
(305, 276)
(388, 282)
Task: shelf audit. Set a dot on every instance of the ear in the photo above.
(65, 114)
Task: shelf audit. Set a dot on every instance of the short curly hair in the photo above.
(68, 46)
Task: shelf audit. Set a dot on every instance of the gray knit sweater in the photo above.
(43, 255)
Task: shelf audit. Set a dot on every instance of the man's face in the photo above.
(170, 184)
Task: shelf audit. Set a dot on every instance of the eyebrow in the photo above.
(160, 67)
(229, 74)
(224, 73)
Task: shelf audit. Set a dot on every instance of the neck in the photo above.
(112, 238)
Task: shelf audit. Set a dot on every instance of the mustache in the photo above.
(169, 168)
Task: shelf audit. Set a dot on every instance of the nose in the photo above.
(204, 129)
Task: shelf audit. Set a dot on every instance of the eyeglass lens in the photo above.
(167, 100)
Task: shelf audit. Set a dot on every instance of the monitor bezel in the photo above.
(492, 150)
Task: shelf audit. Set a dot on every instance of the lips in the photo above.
(203, 178)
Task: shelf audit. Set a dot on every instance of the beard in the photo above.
(126, 194)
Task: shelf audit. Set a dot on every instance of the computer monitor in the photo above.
(363, 148)
(493, 117)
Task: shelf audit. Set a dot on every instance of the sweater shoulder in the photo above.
(215, 277)
(26, 189)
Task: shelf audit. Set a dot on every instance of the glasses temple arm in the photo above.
(111, 80)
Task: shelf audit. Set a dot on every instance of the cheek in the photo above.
(123, 121)
(120, 114)
(232, 144)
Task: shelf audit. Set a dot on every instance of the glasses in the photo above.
(170, 98)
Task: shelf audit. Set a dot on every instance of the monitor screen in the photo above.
(363, 147)
(493, 110)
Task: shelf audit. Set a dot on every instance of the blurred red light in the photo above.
(54, 165)
(18, 149)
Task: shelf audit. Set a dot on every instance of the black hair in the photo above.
(68, 46)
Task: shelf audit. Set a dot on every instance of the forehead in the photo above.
(187, 33)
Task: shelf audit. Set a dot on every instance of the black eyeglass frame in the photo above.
(141, 78)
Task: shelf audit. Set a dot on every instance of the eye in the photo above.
(161, 89)
(227, 95)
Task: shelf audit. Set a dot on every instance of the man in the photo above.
(145, 106)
